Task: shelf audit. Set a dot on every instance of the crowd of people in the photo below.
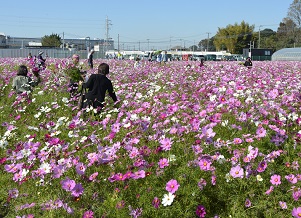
(92, 89)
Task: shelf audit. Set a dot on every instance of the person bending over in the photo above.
(97, 85)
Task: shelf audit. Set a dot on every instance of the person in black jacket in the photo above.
(248, 63)
(90, 58)
(98, 85)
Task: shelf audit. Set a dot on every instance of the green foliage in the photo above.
(234, 37)
(74, 73)
(53, 40)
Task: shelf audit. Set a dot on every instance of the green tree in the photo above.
(204, 43)
(54, 40)
(286, 34)
(268, 39)
(234, 37)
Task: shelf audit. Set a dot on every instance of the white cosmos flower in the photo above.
(212, 97)
(26, 152)
(46, 167)
(249, 99)
(45, 109)
(293, 116)
(168, 199)
(259, 178)
(221, 159)
(222, 89)
(65, 100)
(37, 115)
(55, 133)
(3, 143)
(70, 134)
(126, 125)
(225, 123)
(83, 139)
(172, 157)
(134, 117)
(138, 95)
(24, 172)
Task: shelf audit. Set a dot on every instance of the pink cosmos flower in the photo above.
(275, 179)
(138, 175)
(166, 144)
(270, 190)
(273, 93)
(78, 190)
(93, 176)
(80, 169)
(237, 141)
(13, 193)
(205, 164)
(213, 180)
(291, 178)
(68, 184)
(163, 163)
(172, 186)
(248, 203)
(296, 212)
(237, 172)
(283, 205)
(261, 132)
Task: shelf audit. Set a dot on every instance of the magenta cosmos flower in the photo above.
(172, 186)
(275, 179)
(88, 214)
(200, 211)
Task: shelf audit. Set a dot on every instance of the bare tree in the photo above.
(294, 12)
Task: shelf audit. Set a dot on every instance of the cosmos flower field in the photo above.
(183, 141)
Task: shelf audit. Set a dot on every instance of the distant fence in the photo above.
(52, 53)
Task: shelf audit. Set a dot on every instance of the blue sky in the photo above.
(137, 23)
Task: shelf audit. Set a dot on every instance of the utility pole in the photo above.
(148, 44)
(118, 42)
(259, 36)
(251, 46)
(63, 42)
(108, 23)
(208, 42)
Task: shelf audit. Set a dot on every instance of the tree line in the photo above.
(234, 38)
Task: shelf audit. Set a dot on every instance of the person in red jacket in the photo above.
(97, 85)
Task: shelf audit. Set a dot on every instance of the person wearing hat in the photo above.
(75, 75)
(75, 59)
(41, 60)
